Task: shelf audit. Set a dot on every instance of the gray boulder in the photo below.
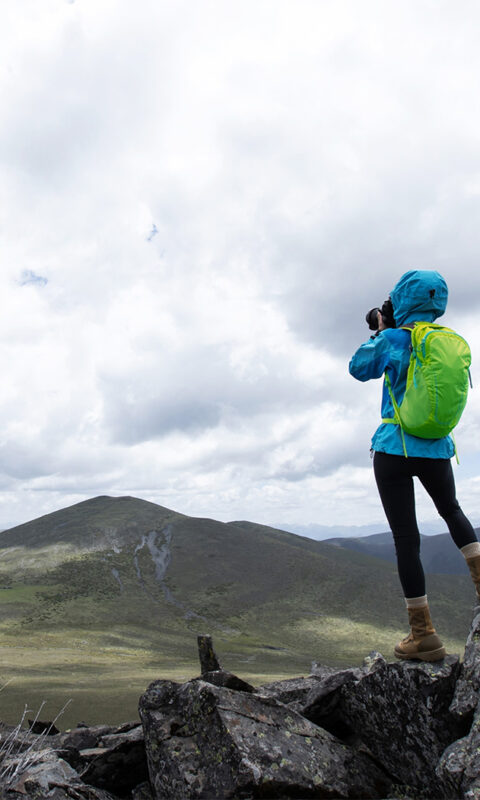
(459, 766)
(398, 712)
(465, 699)
(401, 713)
(204, 741)
(83, 737)
(107, 757)
(98, 763)
(323, 704)
(318, 696)
(45, 776)
(118, 764)
(291, 691)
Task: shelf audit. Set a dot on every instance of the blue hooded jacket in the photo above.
(418, 295)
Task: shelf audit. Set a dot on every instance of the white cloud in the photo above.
(200, 201)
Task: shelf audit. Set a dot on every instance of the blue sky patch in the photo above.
(29, 276)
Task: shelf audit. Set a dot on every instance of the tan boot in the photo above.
(422, 642)
(474, 567)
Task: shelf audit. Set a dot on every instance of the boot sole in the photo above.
(429, 655)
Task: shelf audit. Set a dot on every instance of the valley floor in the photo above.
(102, 683)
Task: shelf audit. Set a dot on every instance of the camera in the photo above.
(387, 315)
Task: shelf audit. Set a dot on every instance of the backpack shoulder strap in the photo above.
(396, 420)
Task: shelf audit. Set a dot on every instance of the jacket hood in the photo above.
(420, 294)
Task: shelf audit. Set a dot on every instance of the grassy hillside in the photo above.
(100, 598)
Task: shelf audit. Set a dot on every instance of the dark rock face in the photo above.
(97, 763)
(221, 677)
(208, 658)
(403, 713)
(117, 763)
(323, 705)
(408, 704)
(48, 776)
(37, 726)
(467, 689)
(392, 709)
(142, 792)
(407, 729)
(212, 742)
(459, 767)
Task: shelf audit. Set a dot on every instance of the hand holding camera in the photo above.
(380, 318)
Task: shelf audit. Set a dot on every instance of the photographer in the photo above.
(420, 295)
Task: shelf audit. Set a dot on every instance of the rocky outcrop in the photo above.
(101, 762)
(47, 775)
(209, 741)
(112, 759)
(383, 730)
(391, 709)
(459, 766)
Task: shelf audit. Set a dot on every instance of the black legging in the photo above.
(394, 476)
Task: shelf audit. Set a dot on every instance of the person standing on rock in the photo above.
(420, 295)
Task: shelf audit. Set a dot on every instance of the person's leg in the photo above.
(436, 475)
(395, 486)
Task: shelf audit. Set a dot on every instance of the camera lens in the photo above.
(372, 318)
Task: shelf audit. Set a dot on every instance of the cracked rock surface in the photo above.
(405, 729)
(208, 741)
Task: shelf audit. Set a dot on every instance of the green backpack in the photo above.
(437, 383)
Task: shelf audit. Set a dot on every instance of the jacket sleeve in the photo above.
(371, 359)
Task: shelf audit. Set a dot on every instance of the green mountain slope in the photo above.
(99, 598)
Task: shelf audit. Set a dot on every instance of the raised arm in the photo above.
(371, 358)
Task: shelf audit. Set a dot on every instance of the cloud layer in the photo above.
(200, 202)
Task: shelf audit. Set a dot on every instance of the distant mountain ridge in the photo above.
(439, 553)
(323, 532)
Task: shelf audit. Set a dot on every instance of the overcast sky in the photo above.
(200, 200)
